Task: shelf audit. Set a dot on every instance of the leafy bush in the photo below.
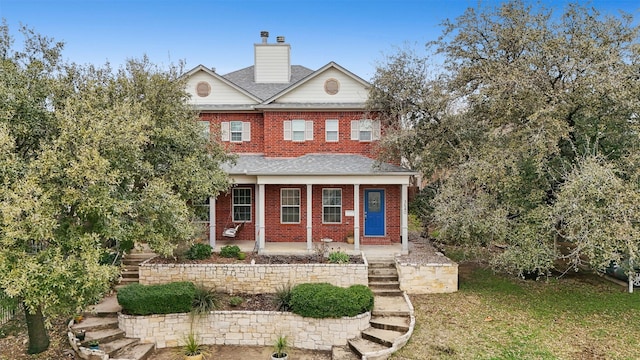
(205, 300)
(176, 297)
(230, 251)
(235, 301)
(338, 257)
(328, 301)
(199, 251)
(283, 298)
(125, 245)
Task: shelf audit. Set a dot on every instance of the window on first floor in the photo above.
(332, 206)
(290, 206)
(365, 130)
(241, 204)
(201, 210)
(205, 129)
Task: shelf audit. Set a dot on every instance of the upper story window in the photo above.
(298, 130)
(365, 130)
(331, 130)
(236, 131)
(205, 129)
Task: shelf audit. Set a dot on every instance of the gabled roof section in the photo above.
(244, 78)
(310, 77)
(201, 68)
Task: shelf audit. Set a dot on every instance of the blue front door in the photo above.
(374, 212)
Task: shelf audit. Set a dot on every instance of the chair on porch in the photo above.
(231, 230)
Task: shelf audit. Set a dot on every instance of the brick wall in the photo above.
(267, 133)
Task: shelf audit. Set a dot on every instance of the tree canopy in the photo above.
(90, 156)
(531, 126)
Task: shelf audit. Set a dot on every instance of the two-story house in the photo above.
(306, 167)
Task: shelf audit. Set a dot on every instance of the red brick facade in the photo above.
(276, 231)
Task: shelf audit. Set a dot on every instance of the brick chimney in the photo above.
(272, 61)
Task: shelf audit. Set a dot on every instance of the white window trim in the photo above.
(233, 205)
(326, 130)
(356, 128)
(290, 206)
(288, 130)
(225, 131)
(332, 206)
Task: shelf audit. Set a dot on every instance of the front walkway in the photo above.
(299, 248)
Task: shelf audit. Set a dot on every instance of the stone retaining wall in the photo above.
(254, 279)
(429, 278)
(259, 328)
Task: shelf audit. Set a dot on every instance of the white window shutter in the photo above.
(355, 130)
(376, 130)
(224, 130)
(246, 131)
(308, 130)
(287, 130)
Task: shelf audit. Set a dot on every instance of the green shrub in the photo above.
(283, 298)
(338, 257)
(199, 251)
(230, 251)
(176, 297)
(205, 300)
(328, 301)
(235, 301)
(125, 245)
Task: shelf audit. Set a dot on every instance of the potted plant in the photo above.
(78, 318)
(350, 237)
(94, 345)
(80, 334)
(192, 349)
(280, 347)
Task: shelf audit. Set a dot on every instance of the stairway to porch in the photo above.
(392, 318)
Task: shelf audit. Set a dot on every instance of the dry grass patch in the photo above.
(496, 317)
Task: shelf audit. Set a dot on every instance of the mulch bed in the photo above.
(259, 259)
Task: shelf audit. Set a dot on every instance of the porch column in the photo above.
(356, 217)
(404, 218)
(309, 217)
(212, 222)
(261, 211)
(257, 220)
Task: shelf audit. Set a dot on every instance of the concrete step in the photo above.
(382, 278)
(343, 353)
(116, 345)
(102, 336)
(362, 346)
(134, 352)
(373, 264)
(390, 306)
(107, 307)
(129, 274)
(127, 281)
(396, 323)
(384, 285)
(381, 336)
(383, 272)
(386, 292)
(96, 323)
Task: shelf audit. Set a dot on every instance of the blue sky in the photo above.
(221, 33)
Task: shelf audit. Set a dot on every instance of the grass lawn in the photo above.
(581, 316)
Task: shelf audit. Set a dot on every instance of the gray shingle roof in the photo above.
(244, 79)
(313, 164)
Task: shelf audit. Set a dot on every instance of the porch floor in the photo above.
(293, 248)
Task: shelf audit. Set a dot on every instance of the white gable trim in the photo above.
(314, 75)
(213, 74)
